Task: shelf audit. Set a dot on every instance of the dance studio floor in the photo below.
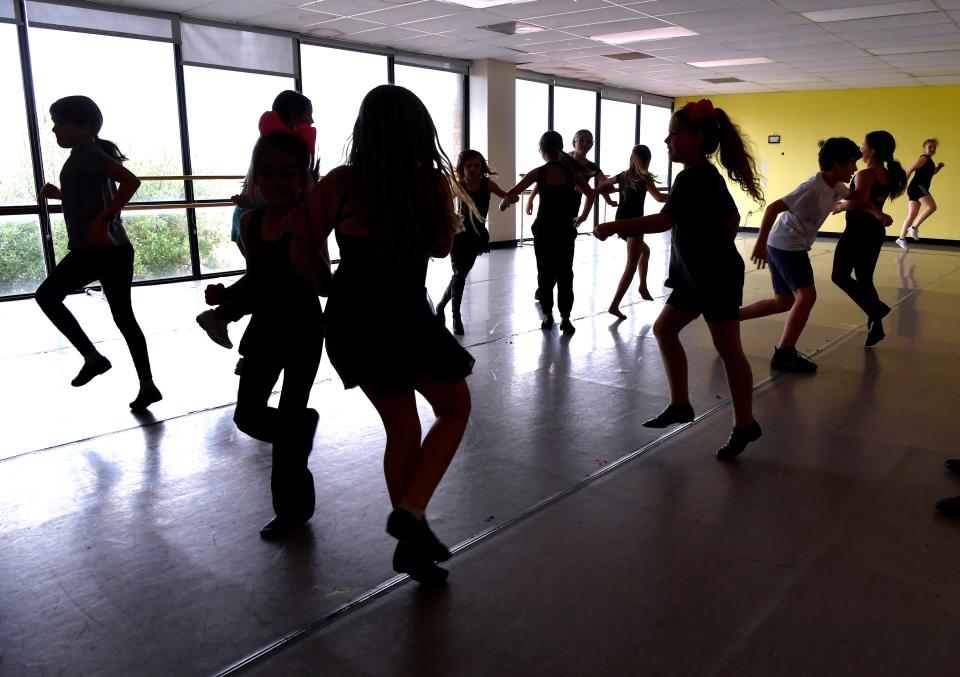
(589, 545)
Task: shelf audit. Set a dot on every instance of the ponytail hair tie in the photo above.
(271, 123)
(701, 110)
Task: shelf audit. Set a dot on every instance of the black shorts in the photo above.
(915, 191)
(721, 304)
(790, 270)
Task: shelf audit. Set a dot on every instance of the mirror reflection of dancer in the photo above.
(786, 243)
(473, 173)
(95, 186)
(859, 246)
(706, 270)
(634, 185)
(555, 228)
(391, 210)
(918, 193)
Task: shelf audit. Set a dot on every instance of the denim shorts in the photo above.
(790, 270)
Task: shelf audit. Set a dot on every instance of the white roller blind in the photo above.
(233, 48)
(51, 15)
(6, 9)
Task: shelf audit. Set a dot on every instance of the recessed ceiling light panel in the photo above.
(871, 11)
(640, 36)
(723, 63)
(513, 28)
(483, 4)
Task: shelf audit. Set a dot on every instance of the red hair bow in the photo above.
(700, 110)
(270, 122)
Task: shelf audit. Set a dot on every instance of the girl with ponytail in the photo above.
(634, 185)
(94, 187)
(706, 270)
(859, 246)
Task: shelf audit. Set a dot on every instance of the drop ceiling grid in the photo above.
(829, 54)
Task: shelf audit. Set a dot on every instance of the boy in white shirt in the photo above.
(785, 244)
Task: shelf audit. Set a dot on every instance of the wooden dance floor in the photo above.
(588, 545)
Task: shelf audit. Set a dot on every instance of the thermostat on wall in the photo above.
(773, 138)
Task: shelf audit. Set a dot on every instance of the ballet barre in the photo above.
(175, 205)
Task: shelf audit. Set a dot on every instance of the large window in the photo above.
(573, 110)
(654, 125)
(442, 94)
(351, 75)
(532, 120)
(618, 132)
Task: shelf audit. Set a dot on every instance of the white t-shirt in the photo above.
(808, 206)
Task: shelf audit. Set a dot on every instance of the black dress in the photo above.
(554, 236)
(395, 343)
(631, 201)
(468, 245)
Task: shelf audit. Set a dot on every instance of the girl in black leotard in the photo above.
(285, 333)
(473, 173)
(918, 193)
(391, 209)
(634, 185)
(555, 228)
(859, 246)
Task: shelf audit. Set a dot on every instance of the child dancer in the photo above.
(706, 271)
(391, 207)
(634, 184)
(555, 228)
(473, 173)
(293, 112)
(918, 193)
(859, 246)
(95, 187)
(285, 333)
(785, 247)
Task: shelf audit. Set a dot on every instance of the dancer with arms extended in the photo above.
(706, 270)
(95, 186)
(918, 193)
(391, 210)
(634, 185)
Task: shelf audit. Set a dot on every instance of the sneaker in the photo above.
(902, 243)
(669, 416)
(739, 439)
(547, 321)
(875, 333)
(953, 465)
(89, 370)
(788, 359)
(566, 326)
(914, 233)
(211, 322)
(949, 507)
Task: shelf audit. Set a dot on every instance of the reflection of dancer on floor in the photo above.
(285, 333)
(555, 228)
(473, 173)
(859, 246)
(905, 273)
(786, 243)
(95, 186)
(706, 270)
(634, 184)
(391, 209)
(291, 112)
(918, 192)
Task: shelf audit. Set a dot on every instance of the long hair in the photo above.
(719, 131)
(401, 178)
(883, 145)
(638, 175)
(81, 110)
(286, 143)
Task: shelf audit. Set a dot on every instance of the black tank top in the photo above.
(481, 198)
(631, 200)
(924, 175)
(558, 203)
(879, 192)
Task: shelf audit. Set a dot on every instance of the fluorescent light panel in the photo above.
(483, 4)
(640, 36)
(731, 62)
(871, 11)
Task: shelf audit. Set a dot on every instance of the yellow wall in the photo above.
(803, 118)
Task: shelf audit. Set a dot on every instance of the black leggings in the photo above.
(113, 266)
(290, 426)
(462, 257)
(555, 267)
(857, 251)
